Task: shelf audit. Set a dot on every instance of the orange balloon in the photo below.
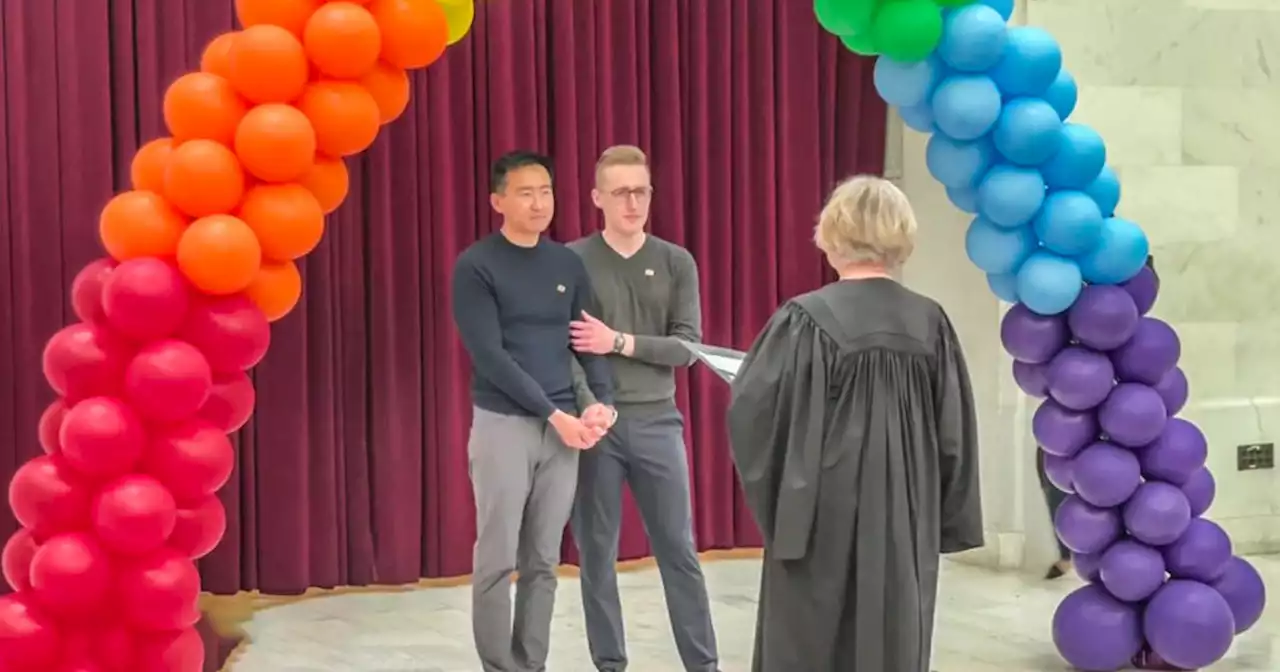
(342, 40)
(329, 182)
(140, 224)
(276, 143)
(287, 219)
(389, 87)
(267, 64)
(216, 59)
(291, 15)
(344, 114)
(147, 170)
(358, 2)
(219, 254)
(201, 106)
(414, 32)
(276, 289)
(203, 178)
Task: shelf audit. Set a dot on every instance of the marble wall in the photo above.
(1187, 95)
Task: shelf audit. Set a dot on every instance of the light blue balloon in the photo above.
(1005, 287)
(906, 84)
(965, 107)
(973, 38)
(1032, 60)
(964, 198)
(1010, 195)
(1048, 283)
(1069, 223)
(1105, 190)
(996, 250)
(1003, 7)
(1079, 161)
(1063, 94)
(958, 163)
(1028, 132)
(1120, 253)
(919, 118)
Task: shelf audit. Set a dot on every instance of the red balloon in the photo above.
(178, 651)
(146, 298)
(168, 381)
(111, 646)
(199, 528)
(134, 515)
(231, 403)
(231, 331)
(102, 437)
(86, 290)
(193, 459)
(29, 638)
(51, 426)
(47, 497)
(83, 361)
(159, 592)
(16, 559)
(71, 574)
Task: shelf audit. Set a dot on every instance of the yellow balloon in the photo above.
(458, 15)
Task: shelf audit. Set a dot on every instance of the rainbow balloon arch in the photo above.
(202, 258)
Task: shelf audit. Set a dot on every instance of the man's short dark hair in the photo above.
(521, 158)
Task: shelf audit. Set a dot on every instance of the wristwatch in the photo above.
(619, 342)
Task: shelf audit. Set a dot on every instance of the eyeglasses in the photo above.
(641, 194)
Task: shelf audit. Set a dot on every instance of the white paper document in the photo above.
(723, 361)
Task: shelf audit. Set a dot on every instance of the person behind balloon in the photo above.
(853, 431)
(514, 294)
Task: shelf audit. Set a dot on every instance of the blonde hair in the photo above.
(867, 219)
(620, 155)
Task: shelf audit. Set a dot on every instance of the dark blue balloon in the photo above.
(1063, 94)
(997, 250)
(973, 38)
(1120, 253)
(965, 107)
(1048, 284)
(1069, 223)
(1005, 287)
(1028, 131)
(906, 84)
(1009, 195)
(1105, 190)
(1032, 60)
(1079, 162)
(919, 118)
(1003, 7)
(965, 199)
(958, 163)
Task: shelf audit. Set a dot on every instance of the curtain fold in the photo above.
(353, 470)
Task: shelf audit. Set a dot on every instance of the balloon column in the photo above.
(1163, 585)
(202, 256)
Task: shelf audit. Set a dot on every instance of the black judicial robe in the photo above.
(853, 431)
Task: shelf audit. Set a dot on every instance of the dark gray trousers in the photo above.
(645, 450)
(524, 479)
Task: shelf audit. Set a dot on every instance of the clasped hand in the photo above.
(583, 433)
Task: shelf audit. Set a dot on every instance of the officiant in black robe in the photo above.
(853, 431)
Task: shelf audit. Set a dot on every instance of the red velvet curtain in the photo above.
(353, 469)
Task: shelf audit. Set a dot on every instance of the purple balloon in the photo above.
(1189, 624)
(1202, 553)
(1061, 431)
(1200, 490)
(1058, 470)
(1030, 377)
(1244, 591)
(1103, 317)
(1085, 528)
(1151, 353)
(1143, 287)
(1133, 416)
(1080, 378)
(1094, 631)
(1131, 571)
(1032, 338)
(1105, 475)
(1174, 390)
(1179, 452)
(1157, 514)
(1086, 565)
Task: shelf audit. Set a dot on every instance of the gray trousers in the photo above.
(645, 449)
(524, 479)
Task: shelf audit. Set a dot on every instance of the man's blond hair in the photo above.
(620, 155)
(867, 219)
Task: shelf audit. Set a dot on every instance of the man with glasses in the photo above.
(647, 291)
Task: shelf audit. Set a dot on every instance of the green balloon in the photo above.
(907, 30)
(953, 3)
(860, 43)
(844, 17)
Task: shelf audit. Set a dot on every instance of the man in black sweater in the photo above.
(647, 289)
(514, 295)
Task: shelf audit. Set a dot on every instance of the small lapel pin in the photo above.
(560, 288)
(648, 272)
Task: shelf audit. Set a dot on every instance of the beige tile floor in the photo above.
(987, 622)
